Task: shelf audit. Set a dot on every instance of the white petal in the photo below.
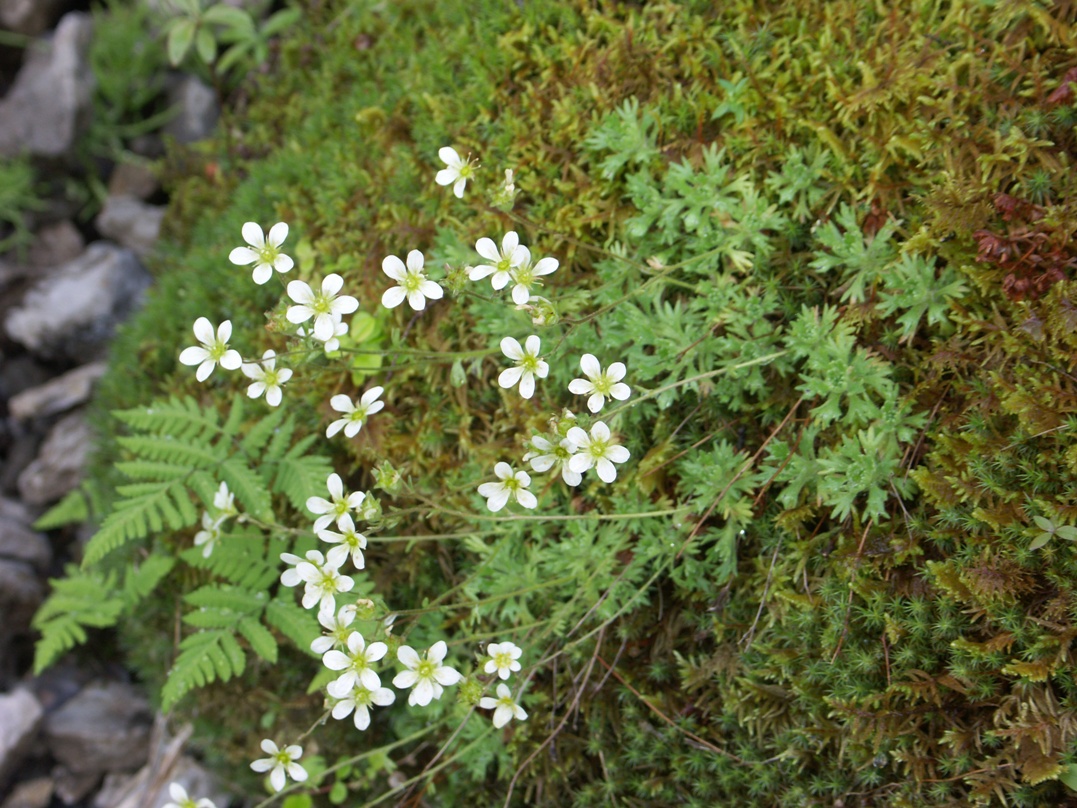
(509, 377)
(545, 266)
(580, 463)
(341, 403)
(241, 256)
(489, 489)
(580, 387)
(606, 470)
(542, 462)
(487, 249)
(224, 331)
(509, 243)
(416, 300)
(298, 314)
(617, 453)
(256, 389)
(383, 697)
(532, 345)
(203, 330)
(511, 348)
(590, 366)
(407, 656)
(422, 693)
(449, 156)
(527, 499)
(437, 651)
(595, 402)
(262, 273)
(620, 391)
(394, 268)
(578, 436)
(393, 297)
(431, 290)
(458, 189)
(415, 261)
(301, 293)
(446, 176)
(193, 355)
(527, 384)
(332, 284)
(276, 778)
(520, 294)
(405, 679)
(204, 370)
(600, 432)
(499, 500)
(231, 360)
(262, 765)
(480, 272)
(253, 235)
(277, 234)
(503, 470)
(370, 396)
(616, 371)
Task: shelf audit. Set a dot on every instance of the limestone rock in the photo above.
(30, 17)
(57, 395)
(19, 542)
(129, 221)
(36, 793)
(196, 110)
(20, 715)
(105, 728)
(133, 179)
(73, 311)
(21, 592)
(45, 108)
(58, 466)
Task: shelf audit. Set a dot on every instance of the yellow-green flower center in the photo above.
(426, 669)
(268, 254)
(503, 660)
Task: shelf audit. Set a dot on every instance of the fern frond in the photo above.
(184, 419)
(282, 439)
(234, 420)
(240, 559)
(173, 450)
(204, 657)
(269, 427)
(300, 477)
(139, 582)
(136, 518)
(77, 601)
(248, 487)
(72, 509)
(227, 598)
(260, 639)
(295, 623)
(156, 470)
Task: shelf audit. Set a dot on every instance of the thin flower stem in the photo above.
(484, 601)
(606, 517)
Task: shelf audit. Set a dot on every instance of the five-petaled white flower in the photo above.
(207, 537)
(330, 510)
(597, 451)
(426, 675)
(280, 761)
(214, 349)
(347, 541)
(412, 282)
(356, 663)
(336, 627)
(504, 707)
(547, 455)
(528, 364)
(331, 344)
(326, 306)
(180, 799)
(323, 580)
(263, 252)
(457, 174)
(358, 697)
(526, 275)
(600, 385)
(354, 415)
(512, 255)
(267, 378)
(503, 659)
(510, 484)
(224, 501)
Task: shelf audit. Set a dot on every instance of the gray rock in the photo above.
(131, 222)
(196, 110)
(73, 787)
(21, 592)
(55, 244)
(133, 179)
(59, 465)
(47, 105)
(105, 728)
(20, 716)
(36, 793)
(57, 395)
(18, 542)
(21, 373)
(30, 17)
(22, 450)
(73, 311)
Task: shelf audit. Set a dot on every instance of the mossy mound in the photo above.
(831, 242)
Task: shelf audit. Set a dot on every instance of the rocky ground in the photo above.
(81, 734)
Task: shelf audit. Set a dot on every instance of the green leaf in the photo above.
(261, 640)
(1067, 532)
(222, 14)
(72, 509)
(297, 624)
(248, 487)
(1039, 541)
(180, 37)
(205, 45)
(204, 658)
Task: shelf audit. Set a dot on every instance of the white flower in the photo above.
(457, 174)
(323, 581)
(347, 542)
(336, 508)
(358, 697)
(503, 658)
(354, 415)
(598, 451)
(225, 501)
(356, 663)
(207, 537)
(525, 276)
(214, 349)
(505, 709)
(427, 676)
(331, 344)
(598, 385)
(280, 761)
(511, 484)
(528, 364)
(412, 282)
(180, 799)
(326, 307)
(546, 456)
(337, 627)
(264, 253)
(267, 379)
(512, 255)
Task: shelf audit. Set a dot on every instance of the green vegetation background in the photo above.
(851, 219)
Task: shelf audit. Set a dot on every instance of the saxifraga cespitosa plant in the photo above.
(838, 563)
